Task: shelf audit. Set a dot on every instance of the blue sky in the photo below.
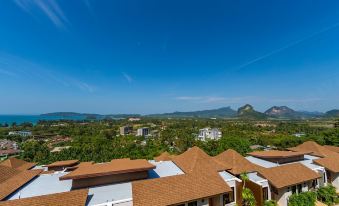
(129, 56)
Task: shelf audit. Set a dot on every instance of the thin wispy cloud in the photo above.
(127, 77)
(8, 73)
(287, 46)
(17, 67)
(50, 8)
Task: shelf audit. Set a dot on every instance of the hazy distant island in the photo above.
(245, 112)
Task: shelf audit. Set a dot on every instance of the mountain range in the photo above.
(245, 112)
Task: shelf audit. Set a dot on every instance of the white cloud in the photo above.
(48, 7)
(127, 77)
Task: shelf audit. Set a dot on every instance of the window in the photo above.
(195, 203)
(229, 197)
(299, 188)
(294, 189)
(288, 189)
(265, 193)
(314, 183)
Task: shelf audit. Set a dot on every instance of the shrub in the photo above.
(270, 203)
(327, 195)
(303, 199)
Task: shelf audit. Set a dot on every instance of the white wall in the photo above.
(335, 180)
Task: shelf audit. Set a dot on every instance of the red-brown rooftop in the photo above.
(276, 154)
(118, 166)
(65, 163)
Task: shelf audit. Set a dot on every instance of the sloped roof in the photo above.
(332, 148)
(276, 154)
(16, 181)
(195, 158)
(178, 189)
(313, 148)
(165, 156)
(289, 174)
(17, 164)
(330, 163)
(64, 163)
(237, 162)
(7, 172)
(118, 166)
(74, 198)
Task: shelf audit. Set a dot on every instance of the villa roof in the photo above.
(74, 198)
(118, 166)
(330, 163)
(165, 156)
(178, 189)
(276, 154)
(313, 148)
(195, 158)
(64, 163)
(289, 174)
(332, 148)
(237, 162)
(14, 180)
(17, 164)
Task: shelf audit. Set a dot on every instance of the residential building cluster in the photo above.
(128, 130)
(8, 147)
(192, 178)
(20, 133)
(209, 134)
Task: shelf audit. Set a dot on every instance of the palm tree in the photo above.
(247, 195)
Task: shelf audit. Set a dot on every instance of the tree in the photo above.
(247, 195)
(270, 203)
(303, 199)
(35, 151)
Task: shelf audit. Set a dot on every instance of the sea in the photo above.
(19, 119)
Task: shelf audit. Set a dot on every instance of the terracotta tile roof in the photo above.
(74, 198)
(313, 148)
(81, 164)
(7, 172)
(330, 163)
(114, 167)
(332, 148)
(178, 189)
(17, 164)
(165, 156)
(276, 154)
(195, 158)
(287, 175)
(64, 163)
(237, 162)
(16, 181)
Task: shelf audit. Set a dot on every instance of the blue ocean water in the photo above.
(9, 119)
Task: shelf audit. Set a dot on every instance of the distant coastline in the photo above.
(19, 119)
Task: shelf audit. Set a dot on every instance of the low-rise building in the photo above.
(20, 133)
(126, 130)
(144, 131)
(208, 133)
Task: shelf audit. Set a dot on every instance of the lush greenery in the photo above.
(328, 195)
(303, 199)
(100, 141)
(270, 203)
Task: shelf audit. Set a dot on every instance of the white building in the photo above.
(21, 133)
(143, 131)
(208, 133)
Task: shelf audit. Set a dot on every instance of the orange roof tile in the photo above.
(17, 164)
(178, 189)
(313, 148)
(287, 175)
(332, 148)
(196, 158)
(64, 163)
(276, 154)
(165, 156)
(7, 172)
(74, 198)
(237, 162)
(330, 163)
(16, 181)
(114, 167)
